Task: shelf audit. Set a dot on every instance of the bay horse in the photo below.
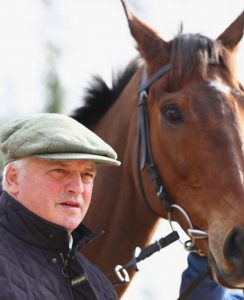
(176, 116)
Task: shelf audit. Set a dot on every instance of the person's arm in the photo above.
(207, 289)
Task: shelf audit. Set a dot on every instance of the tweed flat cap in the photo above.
(55, 137)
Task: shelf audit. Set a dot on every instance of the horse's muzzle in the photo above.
(234, 247)
(234, 256)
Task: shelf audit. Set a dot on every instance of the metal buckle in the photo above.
(193, 234)
(122, 274)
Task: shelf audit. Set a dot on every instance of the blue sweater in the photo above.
(208, 289)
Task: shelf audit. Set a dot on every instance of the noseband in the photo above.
(145, 160)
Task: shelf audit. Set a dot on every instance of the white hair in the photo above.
(16, 164)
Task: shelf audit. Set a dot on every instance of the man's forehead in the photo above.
(87, 164)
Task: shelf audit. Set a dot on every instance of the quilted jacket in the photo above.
(36, 263)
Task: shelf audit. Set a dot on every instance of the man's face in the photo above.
(59, 192)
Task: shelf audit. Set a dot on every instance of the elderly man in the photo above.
(50, 166)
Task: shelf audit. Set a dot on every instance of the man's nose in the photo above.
(75, 184)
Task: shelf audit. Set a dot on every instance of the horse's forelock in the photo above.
(191, 50)
(187, 52)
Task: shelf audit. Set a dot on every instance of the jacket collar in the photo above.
(36, 231)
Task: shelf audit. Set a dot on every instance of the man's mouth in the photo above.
(71, 204)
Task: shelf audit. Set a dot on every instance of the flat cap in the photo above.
(54, 137)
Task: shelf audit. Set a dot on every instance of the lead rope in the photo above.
(121, 271)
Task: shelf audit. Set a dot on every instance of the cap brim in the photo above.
(101, 160)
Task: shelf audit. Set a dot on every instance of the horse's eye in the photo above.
(173, 114)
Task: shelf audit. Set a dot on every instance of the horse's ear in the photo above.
(231, 37)
(149, 43)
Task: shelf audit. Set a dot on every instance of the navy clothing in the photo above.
(36, 262)
(208, 289)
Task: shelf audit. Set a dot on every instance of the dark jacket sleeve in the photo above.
(208, 289)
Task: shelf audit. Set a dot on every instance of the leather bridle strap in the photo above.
(147, 82)
(144, 152)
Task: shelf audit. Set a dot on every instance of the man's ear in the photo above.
(11, 177)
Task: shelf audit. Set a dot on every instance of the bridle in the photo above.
(145, 161)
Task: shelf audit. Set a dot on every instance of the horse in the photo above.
(175, 116)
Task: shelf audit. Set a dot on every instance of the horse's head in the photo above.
(196, 128)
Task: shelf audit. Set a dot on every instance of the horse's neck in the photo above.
(119, 129)
(117, 206)
(120, 120)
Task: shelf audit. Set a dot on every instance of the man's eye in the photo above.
(87, 177)
(59, 170)
(58, 173)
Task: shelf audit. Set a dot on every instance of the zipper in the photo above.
(66, 272)
(65, 269)
(70, 289)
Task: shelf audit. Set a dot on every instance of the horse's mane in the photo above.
(188, 51)
(99, 97)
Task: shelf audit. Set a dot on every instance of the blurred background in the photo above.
(49, 50)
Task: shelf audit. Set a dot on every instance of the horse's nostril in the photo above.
(234, 246)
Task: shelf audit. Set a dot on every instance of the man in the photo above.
(50, 166)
